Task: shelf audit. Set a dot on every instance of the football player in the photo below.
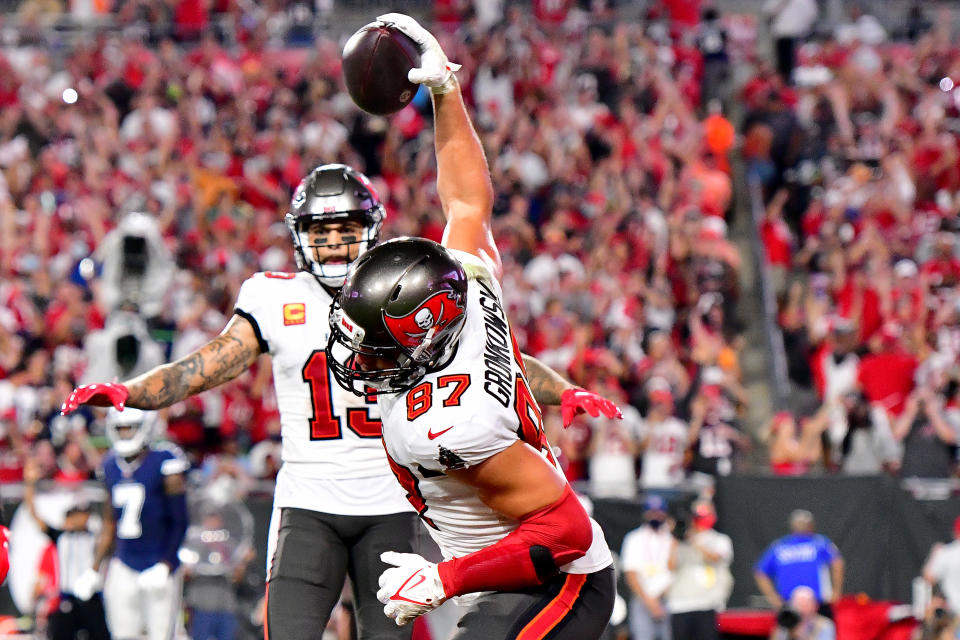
(422, 327)
(144, 523)
(336, 504)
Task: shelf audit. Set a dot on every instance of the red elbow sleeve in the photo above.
(533, 553)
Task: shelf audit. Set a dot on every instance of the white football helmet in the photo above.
(143, 430)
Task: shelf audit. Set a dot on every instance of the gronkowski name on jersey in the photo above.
(475, 407)
(139, 500)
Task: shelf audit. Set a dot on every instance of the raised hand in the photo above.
(435, 70)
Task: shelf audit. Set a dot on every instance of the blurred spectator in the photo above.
(648, 560)
(702, 582)
(886, 375)
(869, 447)
(790, 21)
(835, 371)
(793, 453)
(801, 559)
(916, 22)
(943, 569)
(938, 622)
(928, 434)
(613, 450)
(712, 43)
(226, 475)
(801, 621)
(218, 557)
(713, 424)
(665, 442)
(662, 363)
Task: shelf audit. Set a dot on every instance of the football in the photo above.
(376, 60)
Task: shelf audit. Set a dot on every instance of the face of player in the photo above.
(335, 242)
(373, 363)
(76, 521)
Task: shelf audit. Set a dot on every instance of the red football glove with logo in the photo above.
(4, 553)
(102, 394)
(575, 400)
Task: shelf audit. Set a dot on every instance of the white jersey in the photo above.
(663, 456)
(475, 407)
(333, 459)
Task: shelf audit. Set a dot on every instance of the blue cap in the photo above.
(654, 503)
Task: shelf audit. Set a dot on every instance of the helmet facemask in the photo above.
(332, 275)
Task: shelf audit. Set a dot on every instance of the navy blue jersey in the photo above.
(146, 520)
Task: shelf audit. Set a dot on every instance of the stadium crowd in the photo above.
(148, 170)
(858, 161)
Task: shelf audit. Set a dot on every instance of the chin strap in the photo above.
(424, 344)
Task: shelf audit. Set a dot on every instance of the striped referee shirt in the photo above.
(75, 554)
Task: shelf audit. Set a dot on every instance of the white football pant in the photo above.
(132, 613)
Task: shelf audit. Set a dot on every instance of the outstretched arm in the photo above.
(546, 384)
(31, 474)
(463, 178)
(220, 360)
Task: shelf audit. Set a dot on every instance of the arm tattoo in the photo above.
(546, 384)
(220, 360)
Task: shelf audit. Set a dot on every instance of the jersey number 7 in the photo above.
(324, 423)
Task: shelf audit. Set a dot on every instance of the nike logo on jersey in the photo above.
(433, 436)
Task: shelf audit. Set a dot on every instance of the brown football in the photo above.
(376, 60)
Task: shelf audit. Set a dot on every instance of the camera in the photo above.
(788, 619)
(137, 266)
(134, 256)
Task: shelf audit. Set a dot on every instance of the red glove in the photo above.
(576, 400)
(102, 394)
(4, 553)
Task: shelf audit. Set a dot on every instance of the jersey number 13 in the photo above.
(324, 423)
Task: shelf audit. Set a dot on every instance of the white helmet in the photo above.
(144, 427)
